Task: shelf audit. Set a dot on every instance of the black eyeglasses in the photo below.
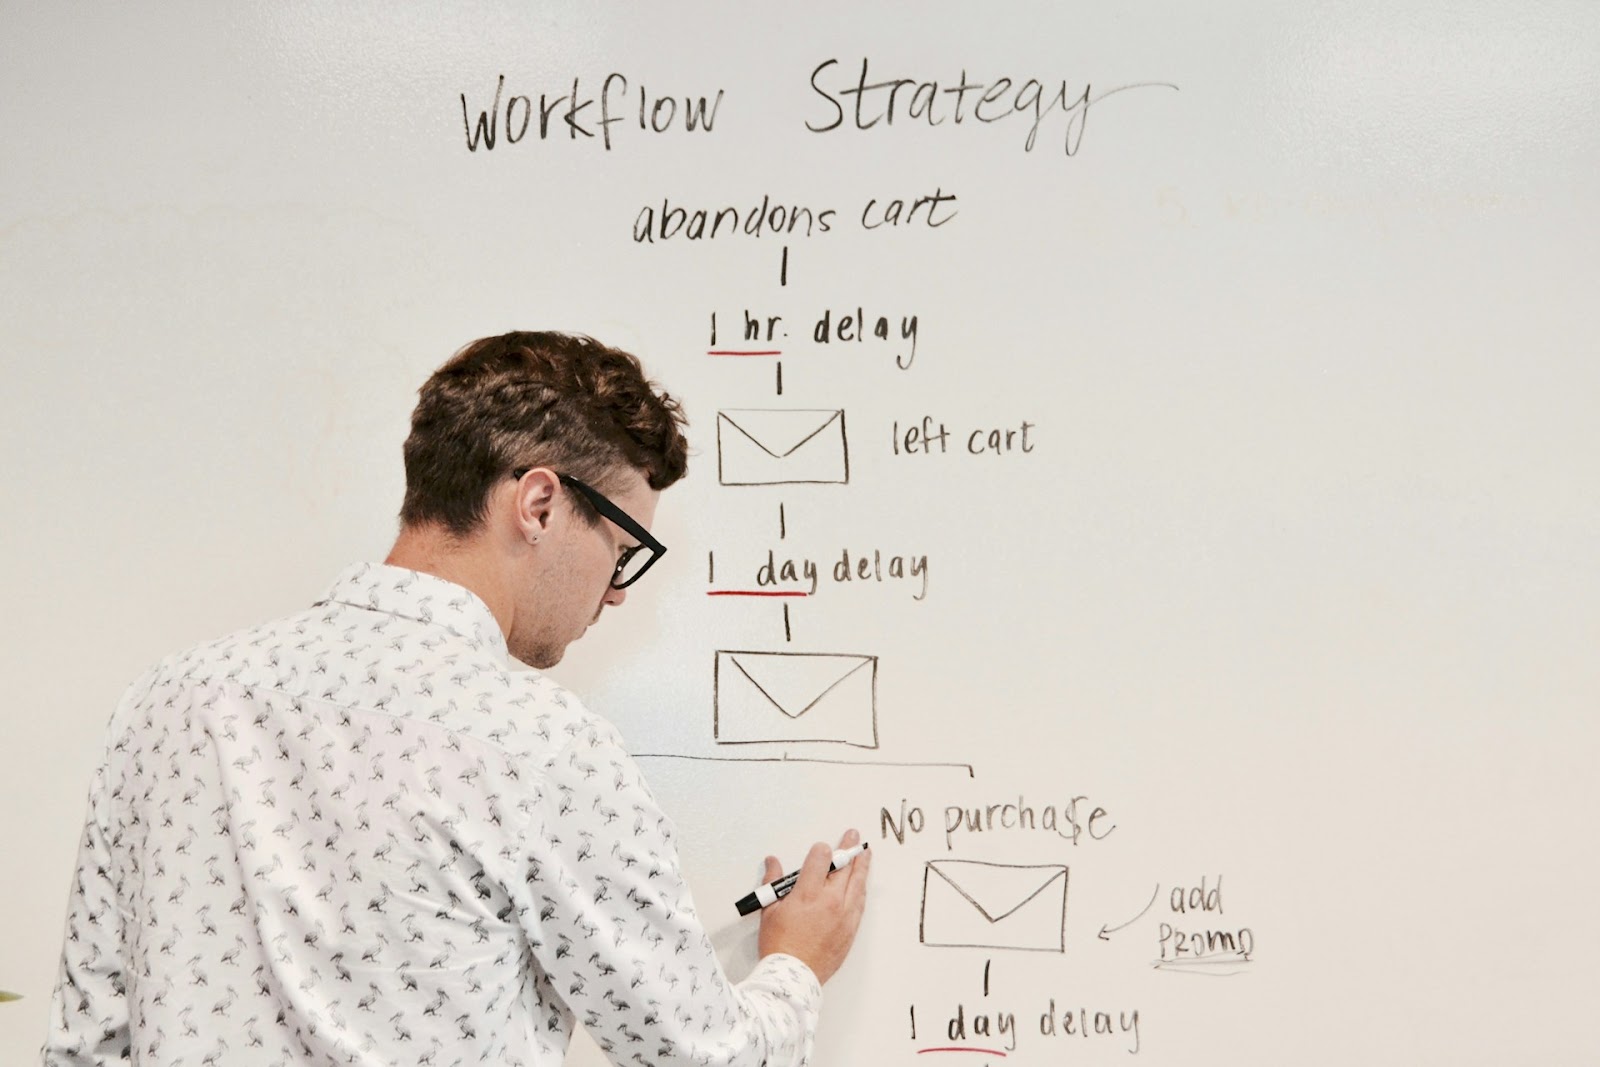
(635, 559)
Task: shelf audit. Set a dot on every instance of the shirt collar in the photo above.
(426, 598)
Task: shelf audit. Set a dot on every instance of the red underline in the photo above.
(749, 592)
(955, 1048)
(734, 352)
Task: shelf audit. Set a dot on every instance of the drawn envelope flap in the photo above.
(795, 682)
(997, 889)
(781, 433)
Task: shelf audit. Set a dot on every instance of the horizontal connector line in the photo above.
(786, 758)
(743, 352)
(750, 592)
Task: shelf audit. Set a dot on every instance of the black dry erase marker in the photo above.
(773, 892)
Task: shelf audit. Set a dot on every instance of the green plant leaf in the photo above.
(4, 996)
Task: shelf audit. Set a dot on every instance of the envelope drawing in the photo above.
(795, 696)
(782, 447)
(970, 904)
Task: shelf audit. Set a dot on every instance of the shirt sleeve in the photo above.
(613, 928)
(89, 1011)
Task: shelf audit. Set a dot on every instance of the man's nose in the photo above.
(614, 597)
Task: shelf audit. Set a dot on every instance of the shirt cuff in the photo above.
(791, 974)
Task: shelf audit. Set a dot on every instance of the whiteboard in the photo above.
(1197, 507)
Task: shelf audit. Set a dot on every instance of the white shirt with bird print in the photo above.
(358, 836)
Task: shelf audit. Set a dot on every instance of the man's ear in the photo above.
(533, 503)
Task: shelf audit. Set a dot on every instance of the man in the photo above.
(357, 835)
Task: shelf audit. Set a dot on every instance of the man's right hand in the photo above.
(816, 922)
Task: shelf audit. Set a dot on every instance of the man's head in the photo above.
(524, 400)
(513, 444)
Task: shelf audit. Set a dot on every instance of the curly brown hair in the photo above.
(535, 399)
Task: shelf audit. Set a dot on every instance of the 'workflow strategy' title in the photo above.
(844, 98)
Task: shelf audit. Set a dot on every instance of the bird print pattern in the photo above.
(358, 836)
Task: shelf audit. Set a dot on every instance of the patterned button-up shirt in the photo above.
(358, 836)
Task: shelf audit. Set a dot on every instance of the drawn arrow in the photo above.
(1107, 931)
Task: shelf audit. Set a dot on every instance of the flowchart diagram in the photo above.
(804, 702)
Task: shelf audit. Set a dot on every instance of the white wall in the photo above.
(1298, 581)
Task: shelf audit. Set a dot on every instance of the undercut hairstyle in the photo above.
(525, 399)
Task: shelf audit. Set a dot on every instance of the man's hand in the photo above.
(816, 923)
